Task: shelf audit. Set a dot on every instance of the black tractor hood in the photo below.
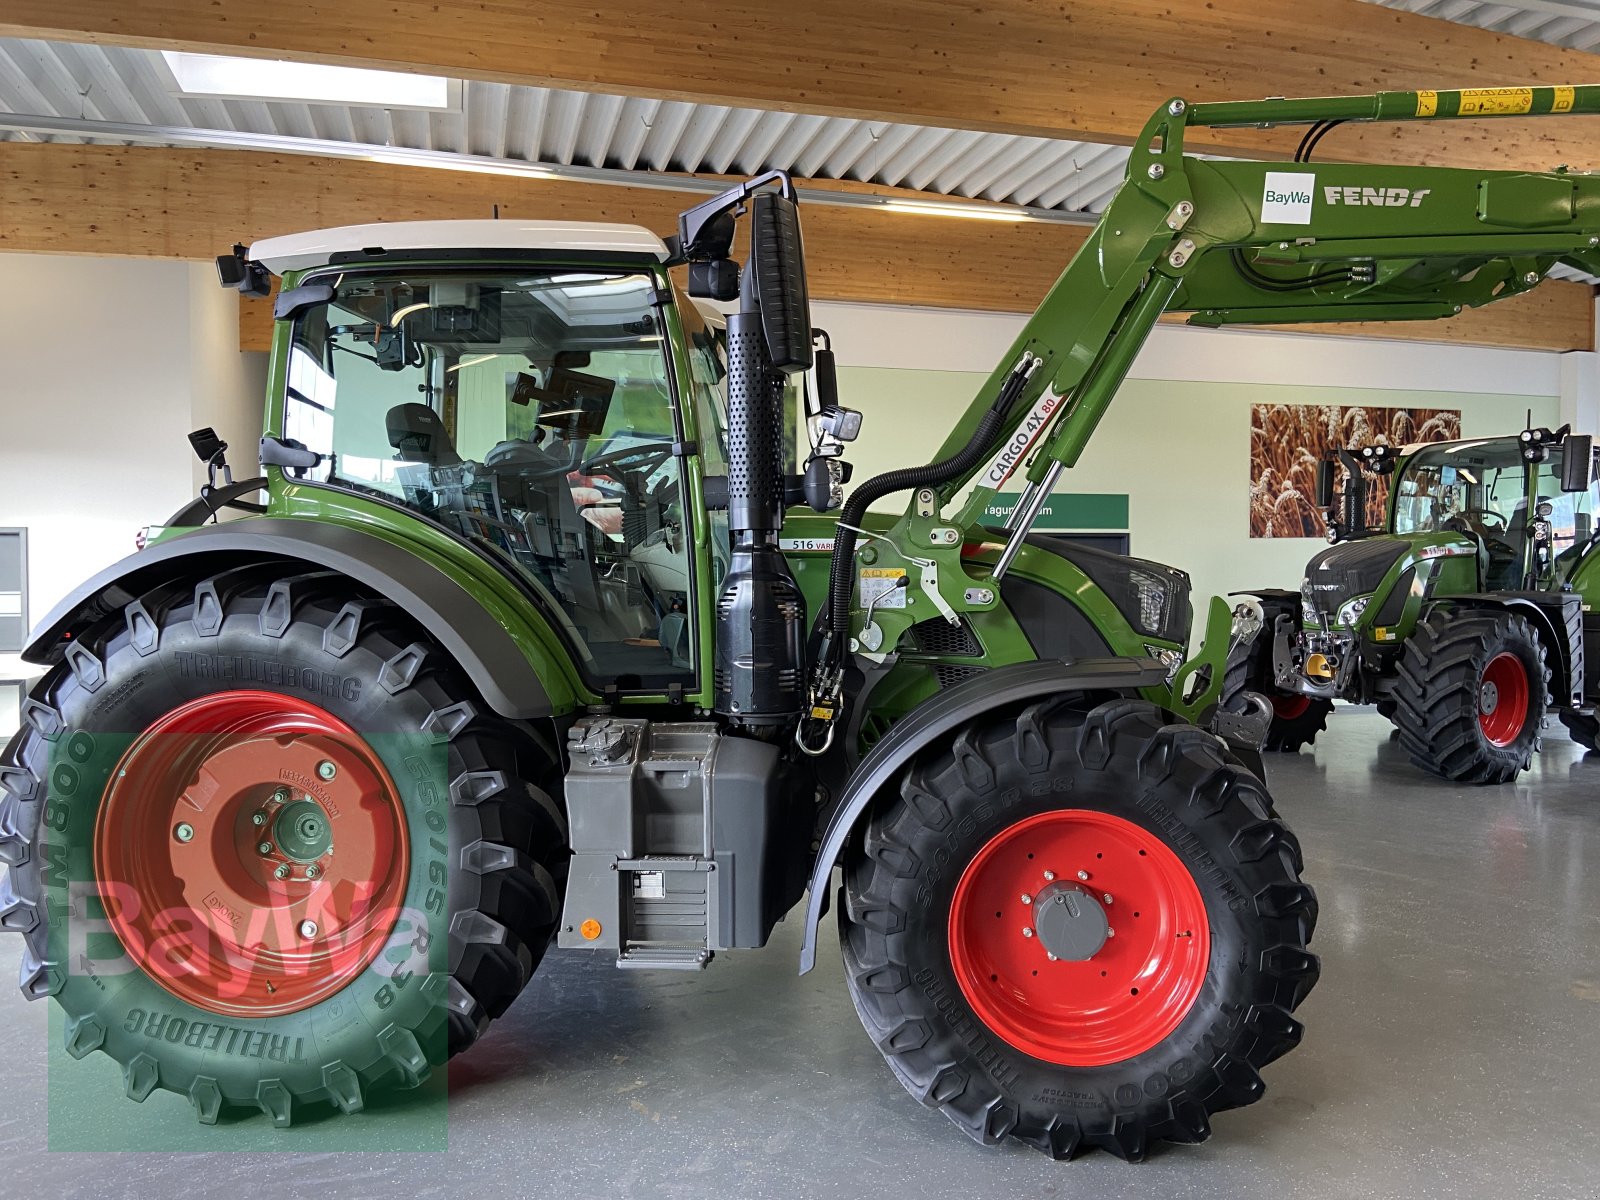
(1347, 570)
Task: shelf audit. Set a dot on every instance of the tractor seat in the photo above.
(419, 435)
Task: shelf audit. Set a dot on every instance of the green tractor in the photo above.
(557, 627)
(1465, 617)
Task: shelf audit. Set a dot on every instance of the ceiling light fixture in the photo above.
(309, 83)
(982, 212)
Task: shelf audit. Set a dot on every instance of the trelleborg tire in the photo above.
(307, 861)
(1471, 693)
(1024, 1018)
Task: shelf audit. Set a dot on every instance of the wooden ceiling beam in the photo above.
(193, 204)
(1085, 69)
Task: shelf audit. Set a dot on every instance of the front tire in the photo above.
(1471, 694)
(316, 863)
(1584, 728)
(1143, 1033)
(1296, 719)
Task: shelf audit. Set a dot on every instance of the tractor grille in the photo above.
(938, 636)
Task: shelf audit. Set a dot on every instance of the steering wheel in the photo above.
(527, 460)
(1487, 517)
(650, 454)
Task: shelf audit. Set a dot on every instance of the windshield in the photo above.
(531, 413)
(1465, 487)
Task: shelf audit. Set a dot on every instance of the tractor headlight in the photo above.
(1152, 601)
(1168, 657)
(1350, 611)
(1152, 598)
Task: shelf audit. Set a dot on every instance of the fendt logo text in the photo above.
(1395, 197)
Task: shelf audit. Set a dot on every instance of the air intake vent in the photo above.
(938, 636)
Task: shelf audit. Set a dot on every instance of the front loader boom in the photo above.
(1249, 243)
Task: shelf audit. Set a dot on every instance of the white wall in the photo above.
(105, 366)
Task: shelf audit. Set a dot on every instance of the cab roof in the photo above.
(297, 251)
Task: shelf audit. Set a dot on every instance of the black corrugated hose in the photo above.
(842, 566)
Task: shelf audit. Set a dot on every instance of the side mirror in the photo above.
(827, 374)
(1325, 470)
(779, 264)
(1577, 465)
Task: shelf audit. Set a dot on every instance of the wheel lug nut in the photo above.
(327, 770)
(281, 795)
(1051, 957)
(1083, 875)
(312, 871)
(282, 872)
(184, 833)
(258, 818)
(1027, 931)
(1027, 899)
(1111, 933)
(265, 847)
(1106, 897)
(308, 929)
(1049, 875)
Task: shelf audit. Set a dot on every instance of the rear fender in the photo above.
(500, 668)
(941, 716)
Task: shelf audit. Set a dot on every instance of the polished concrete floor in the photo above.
(1452, 1049)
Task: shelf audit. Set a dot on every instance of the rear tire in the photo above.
(484, 845)
(1471, 694)
(1296, 719)
(1149, 801)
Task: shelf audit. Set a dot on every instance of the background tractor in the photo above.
(1465, 617)
(533, 642)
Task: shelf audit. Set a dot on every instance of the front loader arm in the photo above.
(1240, 243)
(1235, 243)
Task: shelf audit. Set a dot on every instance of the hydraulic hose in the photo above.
(842, 566)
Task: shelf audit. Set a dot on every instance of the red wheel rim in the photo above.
(1503, 699)
(1288, 708)
(200, 906)
(1126, 996)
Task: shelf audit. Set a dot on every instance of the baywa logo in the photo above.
(1286, 198)
(1394, 197)
(1297, 196)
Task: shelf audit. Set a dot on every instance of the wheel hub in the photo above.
(1070, 923)
(252, 853)
(302, 831)
(1078, 937)
(1504, 691)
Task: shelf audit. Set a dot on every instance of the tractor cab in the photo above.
(1514, 513)
(541, 391)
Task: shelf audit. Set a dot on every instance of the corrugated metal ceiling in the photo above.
(1574, 24)
(115, 83)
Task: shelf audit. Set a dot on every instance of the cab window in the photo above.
(530, 413)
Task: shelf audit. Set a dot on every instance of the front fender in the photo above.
(447, 611)
(942, 715)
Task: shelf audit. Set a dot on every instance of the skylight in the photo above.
(306, 83)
